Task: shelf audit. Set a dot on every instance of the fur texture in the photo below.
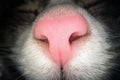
(96, 59)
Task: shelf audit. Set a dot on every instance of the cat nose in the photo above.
(59, 33)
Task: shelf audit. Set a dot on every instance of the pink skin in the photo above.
(58, 31)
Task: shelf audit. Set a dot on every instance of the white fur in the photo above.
(92, 59)
(90, 63)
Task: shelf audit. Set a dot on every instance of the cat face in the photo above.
(63, 41)
(46, 53)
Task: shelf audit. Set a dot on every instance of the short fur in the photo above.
(23, 58)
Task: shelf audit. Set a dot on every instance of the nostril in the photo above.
(74, 36)
(43, 39)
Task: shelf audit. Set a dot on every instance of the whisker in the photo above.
(5, 46)
(114, 36)
(21, 77)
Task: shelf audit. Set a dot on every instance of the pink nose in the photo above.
(60, 32)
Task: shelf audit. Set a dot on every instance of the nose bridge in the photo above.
(60, 48)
